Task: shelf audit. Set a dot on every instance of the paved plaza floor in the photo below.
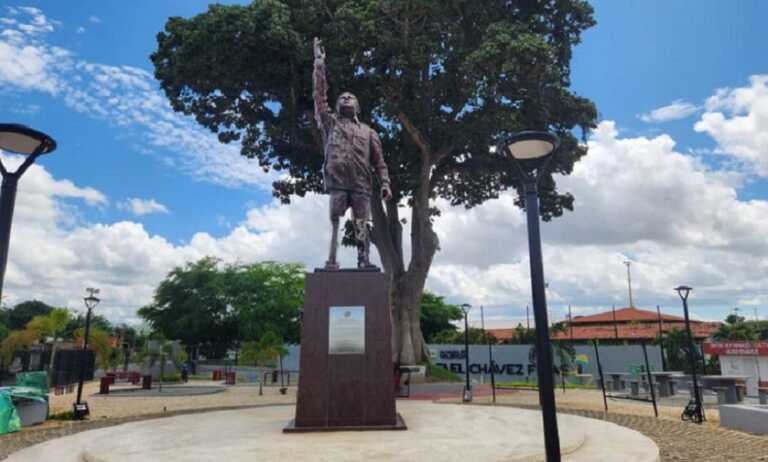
(436, 432)
(677, 441)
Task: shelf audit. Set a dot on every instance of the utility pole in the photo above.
(629, 283)
(570, 322)
(615, 326)
(527, 318)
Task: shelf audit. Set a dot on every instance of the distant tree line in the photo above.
(35, 322)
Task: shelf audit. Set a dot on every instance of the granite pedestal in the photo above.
(346, 372)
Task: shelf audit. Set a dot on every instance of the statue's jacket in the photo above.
(352, 148)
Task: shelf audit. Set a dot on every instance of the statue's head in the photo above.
(347, 105)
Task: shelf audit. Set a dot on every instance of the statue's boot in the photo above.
(363, 245)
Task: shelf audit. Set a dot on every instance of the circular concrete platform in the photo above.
(436, 432)
(168, 391)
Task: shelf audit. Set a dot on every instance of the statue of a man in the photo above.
(352, 152)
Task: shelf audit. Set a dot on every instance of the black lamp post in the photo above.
(531, 152)
(467, 387)
(25, 141)
(698, 415)
(81, 408)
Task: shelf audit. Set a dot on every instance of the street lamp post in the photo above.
(81, 408)
(490, 354)
(467, 387)
(531, 152)
(25, 141)
(698, 415)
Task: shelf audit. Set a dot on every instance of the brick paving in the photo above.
(684, 441)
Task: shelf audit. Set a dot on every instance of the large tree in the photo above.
(267, 298)
(212, 307)
(437, 316)
(22, 313)
(440, 81)
(190, 305)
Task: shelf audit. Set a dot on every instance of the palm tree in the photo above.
(562, 349)
(162, 349)
(50, 325)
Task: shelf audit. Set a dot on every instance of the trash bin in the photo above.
(104, 385)
(146, 382)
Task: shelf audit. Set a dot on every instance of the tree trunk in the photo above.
(407, 285)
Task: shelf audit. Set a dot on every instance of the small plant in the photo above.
(67, 415)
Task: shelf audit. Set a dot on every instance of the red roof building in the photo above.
(623, 325)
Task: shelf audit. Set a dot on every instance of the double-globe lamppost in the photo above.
(698, 414)
(31, 143)
(531, 152)
(467, 397)
(81, 408)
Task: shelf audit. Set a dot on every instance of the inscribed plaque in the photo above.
(346, 330)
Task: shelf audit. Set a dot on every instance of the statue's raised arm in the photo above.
(320, 90)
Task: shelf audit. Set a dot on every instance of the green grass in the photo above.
(533, 385)
(68, 415)
(441, 374)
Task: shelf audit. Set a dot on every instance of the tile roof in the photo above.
(625, 315)
(647, 331)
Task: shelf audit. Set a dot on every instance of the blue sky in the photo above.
(642, 56)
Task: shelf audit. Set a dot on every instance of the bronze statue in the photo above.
(352, 151)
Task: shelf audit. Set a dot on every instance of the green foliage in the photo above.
(99, 341)
(20, 315)
(213, 307)
(736, 328)
(190, 304)
(436, 316)
(476, 337)
(3, 332)
(267, 298)
(265, 352)
(78, 322)
(440, 81)
(535, 386)
(66, 415)
(676, 349)
(522, 336)
(15, 341)
(463, 75)
(50, 325)
(563, 352)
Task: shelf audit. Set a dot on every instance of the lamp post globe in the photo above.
(21, 139)
(530, 151)
(18, 139)
(80, 407)
(530, 145)
(467, 397)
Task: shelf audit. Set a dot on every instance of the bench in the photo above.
(762, 393)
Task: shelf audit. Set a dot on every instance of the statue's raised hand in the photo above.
(319, 51)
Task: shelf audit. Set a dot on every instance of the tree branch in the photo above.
(415, 134)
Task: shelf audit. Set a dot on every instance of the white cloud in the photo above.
(676, 110)
(681, 222)
(80, 30)
(125, 96)
(94, 19)
(738, 120)
(142, 207)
